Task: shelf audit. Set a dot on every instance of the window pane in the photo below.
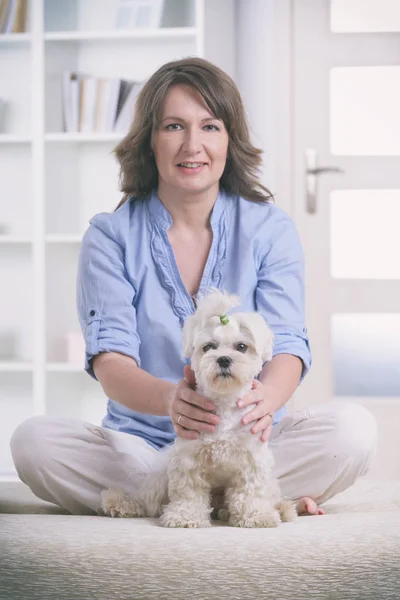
(365, 115)
(365, 15)
(365, 242)
(366, 354)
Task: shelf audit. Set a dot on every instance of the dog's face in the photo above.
(228, 357)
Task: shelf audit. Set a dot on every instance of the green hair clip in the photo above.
(224, 319)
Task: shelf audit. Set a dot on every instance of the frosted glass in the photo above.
(365, 115)
(366, 354)
(364, 234)
(365, 15)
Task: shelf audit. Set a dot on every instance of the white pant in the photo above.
(319, 452)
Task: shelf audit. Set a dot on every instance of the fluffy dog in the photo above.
(226, 355)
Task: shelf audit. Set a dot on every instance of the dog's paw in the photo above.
(115, 503)
(287, 510)
(255, 519)
(176, 520)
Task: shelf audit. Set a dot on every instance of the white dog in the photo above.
(226, 355)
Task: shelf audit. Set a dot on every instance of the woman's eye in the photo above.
(241, 347)
(207, 347)
(178, 126)
(213, 127)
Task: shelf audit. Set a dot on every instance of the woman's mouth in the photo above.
(191, 167)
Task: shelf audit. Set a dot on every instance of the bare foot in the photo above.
(307, 506)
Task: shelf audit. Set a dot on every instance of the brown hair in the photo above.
(138, 170)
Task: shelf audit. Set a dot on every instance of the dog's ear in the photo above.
(267, 342)
(188, 334)
(261, 333)
(263, 336)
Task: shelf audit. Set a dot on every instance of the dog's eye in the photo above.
(241, 347)
(208, 347)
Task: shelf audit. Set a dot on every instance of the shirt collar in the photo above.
(161, 215)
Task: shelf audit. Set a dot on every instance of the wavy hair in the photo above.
(138, 170)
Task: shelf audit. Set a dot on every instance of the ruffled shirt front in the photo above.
(131, 297)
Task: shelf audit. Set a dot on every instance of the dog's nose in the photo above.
(224, 361)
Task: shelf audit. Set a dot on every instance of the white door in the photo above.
(346, 116)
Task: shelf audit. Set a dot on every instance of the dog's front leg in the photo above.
(248, 506)
(189, 498)
(249, 499)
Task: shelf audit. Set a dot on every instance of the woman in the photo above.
(193, 216)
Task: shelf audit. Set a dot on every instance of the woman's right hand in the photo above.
(191, 414)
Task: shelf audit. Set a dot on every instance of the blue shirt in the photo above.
(131, 298)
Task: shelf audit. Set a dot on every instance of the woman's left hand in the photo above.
(262, 413)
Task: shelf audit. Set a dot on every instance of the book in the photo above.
(75, 92)
(125, 88)
(125, 117)
(112, 103)
(97, 105)
(70, 101)
(3, 107)
(106, 106)
(88, 97)
(134, 14)
(19, 25)
(67, 102)
(101, 105)
(4, 7)
(13, 16)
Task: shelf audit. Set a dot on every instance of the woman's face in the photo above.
(190, 146)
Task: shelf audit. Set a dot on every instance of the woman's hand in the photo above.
(262, 413)
(191, 413)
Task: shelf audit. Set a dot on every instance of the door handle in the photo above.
(312, 173)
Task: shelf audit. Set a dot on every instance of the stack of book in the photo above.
(3, 107)
(94, 105)
(13, 16)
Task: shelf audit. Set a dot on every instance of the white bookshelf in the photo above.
(52, 183)
(172, 33)
(13, 138)
(15, 38)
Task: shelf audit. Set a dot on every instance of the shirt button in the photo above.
(92, 313)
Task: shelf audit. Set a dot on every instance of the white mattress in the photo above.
(353, 552)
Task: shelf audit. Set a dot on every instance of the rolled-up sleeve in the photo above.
(105, 295)
(280, 294)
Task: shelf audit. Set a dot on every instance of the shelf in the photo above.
(16, 367)
(64, 367)
(27, 367)
(12, 138)
(15, 239)
(15, 38)
(122, 34)
(83, 137)
(63, 238)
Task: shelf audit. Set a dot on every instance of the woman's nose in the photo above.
(192, 141)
